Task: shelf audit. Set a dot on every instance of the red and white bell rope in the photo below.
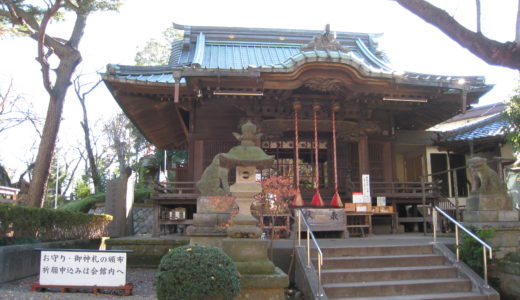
(336, 200)
(297, 201)
(316, 199)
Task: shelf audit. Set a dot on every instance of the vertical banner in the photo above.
(366, 188)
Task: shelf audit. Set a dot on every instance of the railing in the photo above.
(448, 207)
(176, 188)
(7, 192)
(397, 189)
(471, 234)
(310, 235)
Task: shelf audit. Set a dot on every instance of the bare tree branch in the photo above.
(71, 176)
(94, 172)
(479, 14)
(491, 51)
(14, 109)
(517, 38)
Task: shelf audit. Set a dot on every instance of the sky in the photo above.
(114, 37)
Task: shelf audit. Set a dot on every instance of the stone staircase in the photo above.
(395, 272)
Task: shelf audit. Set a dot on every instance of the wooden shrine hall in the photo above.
(336, 88)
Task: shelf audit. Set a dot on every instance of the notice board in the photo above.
(83, 267)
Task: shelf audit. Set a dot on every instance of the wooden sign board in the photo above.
(84, 268)
(357, 198)
(324, 219)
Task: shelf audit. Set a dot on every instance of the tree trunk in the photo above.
(38, 187)
(90, 153)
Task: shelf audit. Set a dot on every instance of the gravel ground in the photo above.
(142, 279)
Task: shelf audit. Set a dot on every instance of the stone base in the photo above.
(249, 255)
(244, 226)
(263, 287)
(508, 273)
(211, 241)
(506, 236)
(215, 219)
(195, 230)
(478, 216)
(147, 252)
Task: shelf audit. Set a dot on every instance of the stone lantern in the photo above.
(246, 158)
(259, 279)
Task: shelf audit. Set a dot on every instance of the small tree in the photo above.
(277, 192)
(513, 116)
(157, 52)
(82, 97)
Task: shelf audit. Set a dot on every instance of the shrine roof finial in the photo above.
(325, 41)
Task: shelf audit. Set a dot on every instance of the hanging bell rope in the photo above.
(336, 200)
(297, 201)
(316, 199)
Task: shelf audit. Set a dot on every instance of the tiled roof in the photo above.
(241, 55)
(145, 74)
(257, 50)
(479, 111)
(494, 126)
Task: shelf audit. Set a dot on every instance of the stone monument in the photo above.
(213, 206)
(490, 206)
(148, 170)
(260, 278)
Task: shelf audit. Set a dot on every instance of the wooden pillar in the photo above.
(364, 166)
(198, 159)
(388, 162)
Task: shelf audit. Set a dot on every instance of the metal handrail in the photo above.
(310, 236)
(471, 234)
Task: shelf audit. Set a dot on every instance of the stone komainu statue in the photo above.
(214, 179)
(485, 180)
(488, 191)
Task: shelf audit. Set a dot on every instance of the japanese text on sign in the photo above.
(77, 268)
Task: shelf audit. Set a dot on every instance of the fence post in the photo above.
(456, 187)
(423, 189)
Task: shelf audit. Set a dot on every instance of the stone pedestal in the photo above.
(209, 222)
(259, 277)
(495, 211)
(244, 225)
(505, 239)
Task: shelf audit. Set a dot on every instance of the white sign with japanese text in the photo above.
(83, 268)
(365, 179)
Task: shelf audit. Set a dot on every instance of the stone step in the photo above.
(395, 288)
(443, 296)
(377, 250)
(385, 261)
(387, 274)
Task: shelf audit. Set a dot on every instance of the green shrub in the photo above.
(195, 272)
(142, 194)
(85, 204)
(44, 224)
(471, 252)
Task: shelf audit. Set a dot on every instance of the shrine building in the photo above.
(298, 87)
